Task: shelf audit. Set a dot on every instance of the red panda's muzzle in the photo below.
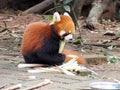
(67, 37)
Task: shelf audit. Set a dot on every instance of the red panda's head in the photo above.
(64, 25)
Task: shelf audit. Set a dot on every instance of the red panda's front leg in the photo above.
(55, 59)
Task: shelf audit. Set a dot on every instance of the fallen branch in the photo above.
(7, 29)
(102, 45)
(1, 31)
(45, 82)
(17, 86)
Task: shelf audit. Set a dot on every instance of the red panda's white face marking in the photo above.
(66, 36)
(61, 33)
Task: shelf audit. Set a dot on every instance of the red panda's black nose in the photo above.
(71, 39)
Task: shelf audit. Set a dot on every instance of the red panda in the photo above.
(41, 40)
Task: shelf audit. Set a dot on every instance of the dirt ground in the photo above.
(96, 44)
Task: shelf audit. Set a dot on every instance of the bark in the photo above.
(76, 9)
(4, 3)
(117, 9)
(39, 7)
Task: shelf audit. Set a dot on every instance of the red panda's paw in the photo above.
(72, 54)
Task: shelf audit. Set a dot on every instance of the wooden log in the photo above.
(39, 7)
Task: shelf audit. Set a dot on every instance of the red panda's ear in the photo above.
(56, 17)
(66, 14)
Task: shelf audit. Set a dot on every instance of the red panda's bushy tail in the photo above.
(80, 60)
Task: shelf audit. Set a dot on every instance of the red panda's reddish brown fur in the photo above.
(33, 34)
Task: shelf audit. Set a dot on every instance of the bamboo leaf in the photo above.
(67, 1)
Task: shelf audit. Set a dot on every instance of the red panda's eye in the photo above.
(65, 34)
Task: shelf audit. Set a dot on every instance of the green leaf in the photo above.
(112, 59)
(17, 40)
(15, 62)
(77, 41)
(110, 47)
(67, 1)
(67, 8)
(48, 17)
(118, 33)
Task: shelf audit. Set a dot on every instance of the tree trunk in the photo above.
(98, 7)
(76, 10)
(4, 3)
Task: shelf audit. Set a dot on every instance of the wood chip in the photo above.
(28, 77)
